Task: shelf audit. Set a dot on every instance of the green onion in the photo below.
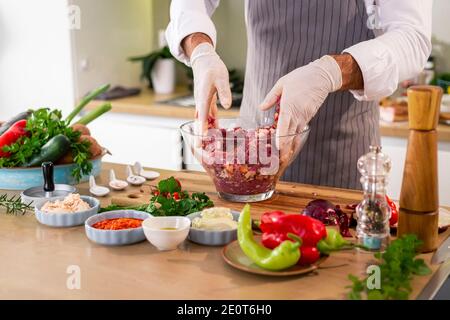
(85, 101)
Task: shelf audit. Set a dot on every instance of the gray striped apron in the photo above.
(286, 34)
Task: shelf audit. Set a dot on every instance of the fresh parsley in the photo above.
(170, 200)
(398, 265)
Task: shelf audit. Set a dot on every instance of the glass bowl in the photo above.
(244, 159)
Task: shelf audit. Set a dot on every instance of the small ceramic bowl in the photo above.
(115, 237)
(212, 238)
(166, 233)
(67, 219)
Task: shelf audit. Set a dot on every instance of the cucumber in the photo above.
(53, 150)
(21, 116)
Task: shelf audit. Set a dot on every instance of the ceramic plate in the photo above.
(235, 257)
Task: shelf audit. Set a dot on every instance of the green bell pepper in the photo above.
(282, 257)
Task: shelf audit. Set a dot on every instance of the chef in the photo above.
(327, 61)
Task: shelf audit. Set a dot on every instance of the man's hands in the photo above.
(210, 77)
(302, 92)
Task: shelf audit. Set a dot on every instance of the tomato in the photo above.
(394, 212)
(176, 196)
(156, 193)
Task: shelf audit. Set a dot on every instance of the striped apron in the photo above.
(286, 34)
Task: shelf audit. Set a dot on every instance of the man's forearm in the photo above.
(191, 41)
(352, 78)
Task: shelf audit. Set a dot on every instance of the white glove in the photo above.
(210, 76)
(302, 92)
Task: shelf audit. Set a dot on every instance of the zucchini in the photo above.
(21, 116)
(53, 150)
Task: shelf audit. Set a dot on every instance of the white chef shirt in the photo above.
(399, 51)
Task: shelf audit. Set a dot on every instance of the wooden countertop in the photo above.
(146, 104)
(400, 130)
(35, 258)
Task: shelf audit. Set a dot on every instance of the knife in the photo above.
(442, 253)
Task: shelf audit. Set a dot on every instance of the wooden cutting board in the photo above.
(133, 197)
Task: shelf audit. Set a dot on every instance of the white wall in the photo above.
(441, 34)
(111, 31)
(35, 62)
(395, 148)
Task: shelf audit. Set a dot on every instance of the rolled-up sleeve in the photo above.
(187, 17)
(400, 50)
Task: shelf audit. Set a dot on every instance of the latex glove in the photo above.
(210, 77)
(302, 92)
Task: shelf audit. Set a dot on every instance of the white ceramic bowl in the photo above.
(212, 238)
(67, 219)
(166, 239)
(115, 237)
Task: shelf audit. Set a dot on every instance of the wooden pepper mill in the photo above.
(419, 198)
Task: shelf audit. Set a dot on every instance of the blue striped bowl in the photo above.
(24, 178)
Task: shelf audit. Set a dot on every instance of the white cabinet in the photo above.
(154, 141)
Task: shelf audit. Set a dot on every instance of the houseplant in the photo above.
(158, 68)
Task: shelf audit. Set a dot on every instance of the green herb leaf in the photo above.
(164, 204)
(169, 185)
(397, 265)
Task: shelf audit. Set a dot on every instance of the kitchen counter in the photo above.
(146, 104)
(36, 259)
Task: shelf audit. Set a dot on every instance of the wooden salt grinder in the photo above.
(419, 199)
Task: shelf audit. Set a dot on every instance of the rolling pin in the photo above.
(419, 196)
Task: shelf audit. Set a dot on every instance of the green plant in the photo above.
(148, 62)
(14, 204)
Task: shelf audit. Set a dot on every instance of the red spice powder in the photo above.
(118, 224)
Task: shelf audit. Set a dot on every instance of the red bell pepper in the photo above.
(11, 135)
(276, 225)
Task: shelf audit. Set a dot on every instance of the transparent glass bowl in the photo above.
(245, 160)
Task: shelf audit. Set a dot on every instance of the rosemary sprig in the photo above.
(14, 205)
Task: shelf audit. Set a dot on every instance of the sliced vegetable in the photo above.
(94, 114)
(85, 101)
(21, 116)
(10, 136)
(282, 257)
(52, 151)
